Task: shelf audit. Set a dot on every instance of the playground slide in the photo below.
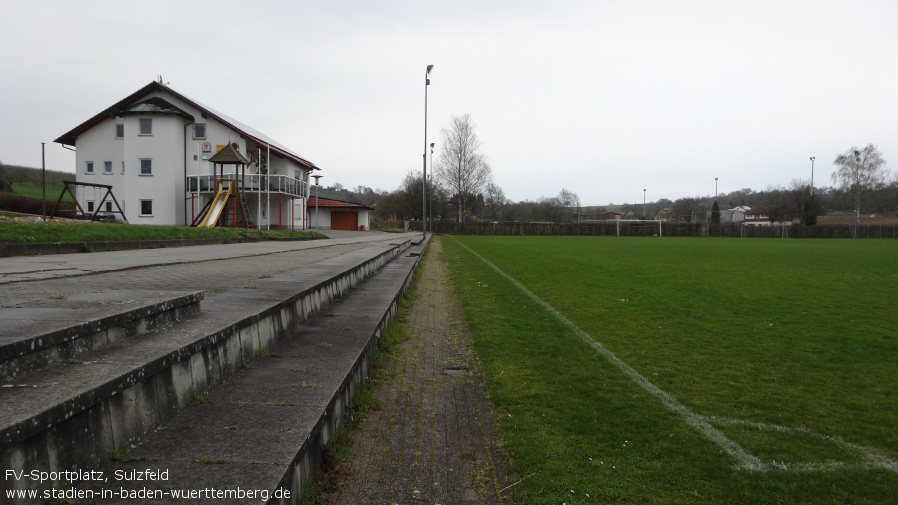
(218, 205)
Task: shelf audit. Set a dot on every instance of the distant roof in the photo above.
(70, 137)
(331, 204)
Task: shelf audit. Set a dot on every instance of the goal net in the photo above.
(639, 227)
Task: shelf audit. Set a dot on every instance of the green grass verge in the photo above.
(29, 232)
(34, 191)
(791, 343)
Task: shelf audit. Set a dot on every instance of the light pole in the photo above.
(857, 194)
(643, 204)
(812, 175)
(424, 181)
(715, 188)
(317, 177)
(430, 187)
(43, 182)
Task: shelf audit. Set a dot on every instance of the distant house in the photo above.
(734, 215)
(664, 214)
(331, 214)
(609, 216)
(767, 216)
(155, 148)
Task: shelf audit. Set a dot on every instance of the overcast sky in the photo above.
(603, 98)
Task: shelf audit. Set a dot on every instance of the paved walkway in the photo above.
(40, 267)
(433, 440)
(210, 267)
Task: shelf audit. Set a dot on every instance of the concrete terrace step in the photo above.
(72, 415)
(263, 432)
(35, 335)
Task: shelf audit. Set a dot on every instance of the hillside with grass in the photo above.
(21, 189)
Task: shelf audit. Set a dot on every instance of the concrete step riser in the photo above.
(82, 433)
(299, 475)
(69, 344)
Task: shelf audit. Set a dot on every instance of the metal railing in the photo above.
(251, 182)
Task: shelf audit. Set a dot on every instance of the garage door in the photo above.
(343, 220)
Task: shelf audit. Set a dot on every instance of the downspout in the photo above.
(184, 180)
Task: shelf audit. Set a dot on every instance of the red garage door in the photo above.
(344, 220)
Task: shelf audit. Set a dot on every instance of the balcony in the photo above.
(251, 182)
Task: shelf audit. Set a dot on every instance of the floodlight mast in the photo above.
(812, 174)
(430, 189)
(424, 180)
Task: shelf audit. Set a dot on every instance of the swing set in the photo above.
(95, 216)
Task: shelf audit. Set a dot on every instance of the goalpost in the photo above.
(640, 223)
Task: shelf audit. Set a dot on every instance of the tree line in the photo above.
(462, 189)
(861, 185)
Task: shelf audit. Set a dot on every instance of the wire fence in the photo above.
(612, 228)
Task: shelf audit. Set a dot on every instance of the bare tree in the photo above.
(462, 167)
(570, 202)
(797, 194)
(686, 208)
(495, 198)
(859, 170)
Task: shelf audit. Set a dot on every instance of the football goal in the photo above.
(638, 227)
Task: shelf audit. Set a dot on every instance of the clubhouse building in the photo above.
(169, 160)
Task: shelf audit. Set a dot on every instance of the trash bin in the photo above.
(362, 227)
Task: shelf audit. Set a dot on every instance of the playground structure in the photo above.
(95, 216)
(227, 188)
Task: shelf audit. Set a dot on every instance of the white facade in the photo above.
(155, 155)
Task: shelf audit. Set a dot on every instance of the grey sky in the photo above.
(603, 98)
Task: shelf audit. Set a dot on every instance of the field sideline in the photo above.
(701, 370)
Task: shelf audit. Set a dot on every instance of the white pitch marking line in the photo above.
(872, 459)
(701, 423)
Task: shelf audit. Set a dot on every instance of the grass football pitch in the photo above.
(688, 370)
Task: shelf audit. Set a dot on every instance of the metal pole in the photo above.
(317, 178)
(812, 175)
(857, 195)
(424, 181)
(430, 188)
(43, 182)
(643, 204)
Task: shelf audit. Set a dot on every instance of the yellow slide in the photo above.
(218, 205)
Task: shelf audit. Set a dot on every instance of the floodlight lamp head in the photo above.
(429, 68)
(812, 158)
(431, 145)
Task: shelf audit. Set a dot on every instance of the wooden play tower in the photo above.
(229, 191)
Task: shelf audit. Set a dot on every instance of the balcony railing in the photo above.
(251, 182)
